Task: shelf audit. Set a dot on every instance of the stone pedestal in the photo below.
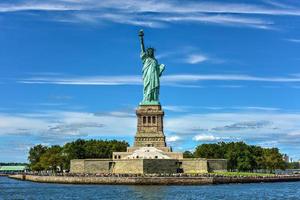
(149, 139)
(150, 127)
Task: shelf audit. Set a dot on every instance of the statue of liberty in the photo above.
(151, 73)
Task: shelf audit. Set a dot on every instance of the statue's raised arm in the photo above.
(141, 35)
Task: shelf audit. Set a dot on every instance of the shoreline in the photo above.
(152, 180)
(3, 174)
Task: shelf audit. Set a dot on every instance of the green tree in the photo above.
(239, 156)
(209, 151)
(258, 159)
(34, 156)
(73, 150)
(242, 157)
(273, 159)
(81, 149)
(293, 165)
(188, 154)
(52, 159)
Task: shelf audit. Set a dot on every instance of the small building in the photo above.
(13, 169)
(286, 158)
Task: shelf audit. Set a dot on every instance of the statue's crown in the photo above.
(151, 48)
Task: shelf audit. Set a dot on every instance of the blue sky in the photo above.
(71, 69)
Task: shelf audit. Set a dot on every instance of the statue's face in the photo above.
(150, 52)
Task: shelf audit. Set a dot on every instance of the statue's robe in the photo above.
(151, 73)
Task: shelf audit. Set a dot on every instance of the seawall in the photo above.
(3, 174)
(117, 180)
(151, 180)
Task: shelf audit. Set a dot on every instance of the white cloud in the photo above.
(187, 54)
(196, 58)
(257, 108)
(269, 144)
(154, 13)
(294, 133)
(294, 40)
(247, 125)
(205, 138)
(50, 125)
(38, 6)
(173, 138)
(85, 80)
(173, 80)
(227, 77)
(279, 4)
(176, 108)
(154, 6)
(10, 123)
(222, 19)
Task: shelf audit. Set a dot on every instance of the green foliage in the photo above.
(13, 164)
(188, 154)
(52, 158)
(293, 165)
(242, 157)
(209, 151)
(58, 158)
(81, 149)
(273, 159)
(35, 154)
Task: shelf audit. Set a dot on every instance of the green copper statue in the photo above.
(151, 73)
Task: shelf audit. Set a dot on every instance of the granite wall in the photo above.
(134, 166)
(77, 166)
(215, 165)
(148, 166)
(94, 166)
(152, 166)
(91, 166)
(194, 165)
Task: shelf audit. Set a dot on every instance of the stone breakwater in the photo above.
(152, 180)
(3, 174)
